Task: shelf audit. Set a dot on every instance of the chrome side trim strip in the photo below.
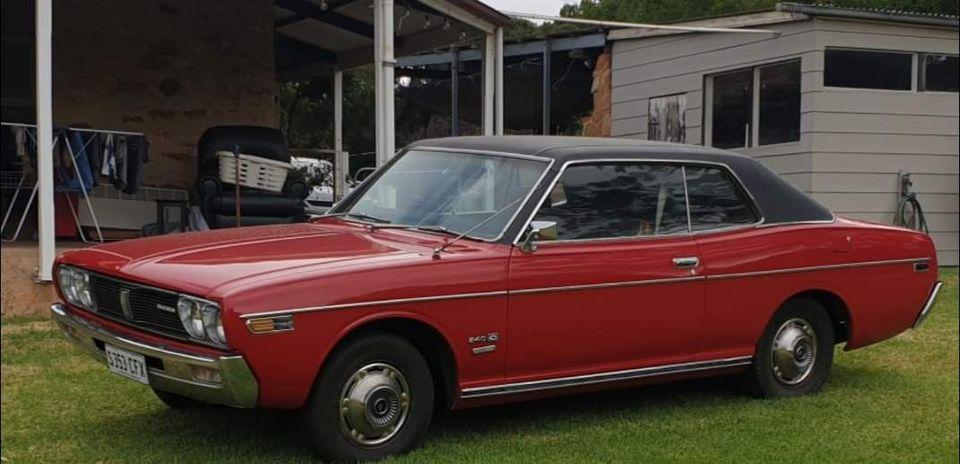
(566, 288)
(828, 267)
(420, 299)
(928, 305)
(629, 283)
(603, 377)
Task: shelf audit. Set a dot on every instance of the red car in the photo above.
(475, 270)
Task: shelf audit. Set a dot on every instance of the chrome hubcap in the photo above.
(794, 351)
(374, 404)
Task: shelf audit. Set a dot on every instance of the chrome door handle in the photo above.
(686, 262)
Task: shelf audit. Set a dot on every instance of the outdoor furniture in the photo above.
(265, 193)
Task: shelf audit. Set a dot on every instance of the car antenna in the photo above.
(439, 249)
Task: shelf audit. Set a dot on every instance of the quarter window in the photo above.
(868, 69)
(617, 200)
(716, 200)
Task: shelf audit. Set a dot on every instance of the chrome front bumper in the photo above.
(170, 371)
(928, 305)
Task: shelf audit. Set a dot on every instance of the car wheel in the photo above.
(374, 398)
(795, 354)
(175, 401)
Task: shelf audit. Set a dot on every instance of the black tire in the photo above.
(175, 401)
(330, 429)
(801, 316)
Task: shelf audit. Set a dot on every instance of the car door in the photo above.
(619, 288)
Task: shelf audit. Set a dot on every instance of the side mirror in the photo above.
(539, 230)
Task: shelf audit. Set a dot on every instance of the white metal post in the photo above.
(378, 80)
(384, 61)
(340, 166)
(498, 83)
(389, 122)
(45, 213)
(489, 44)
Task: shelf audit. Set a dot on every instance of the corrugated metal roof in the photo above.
(877, 14)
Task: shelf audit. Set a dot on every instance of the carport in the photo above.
(311, 38)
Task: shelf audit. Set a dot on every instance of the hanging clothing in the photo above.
(94, 154)
(108, 160)
(137, 147)
(21, 136)
(77, 154)
(120, 155)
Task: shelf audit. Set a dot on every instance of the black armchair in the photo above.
(217, 200)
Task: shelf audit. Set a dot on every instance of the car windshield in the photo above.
(451, 191)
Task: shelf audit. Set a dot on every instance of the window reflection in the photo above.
(617, 200)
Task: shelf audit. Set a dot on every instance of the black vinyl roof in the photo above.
(778, 200)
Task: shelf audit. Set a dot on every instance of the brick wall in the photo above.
(598, 123)
(168, 68)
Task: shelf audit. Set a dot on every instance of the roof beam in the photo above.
(618, 24)
(294, 18)
(312, 11)
(517, 49)
(307, 50)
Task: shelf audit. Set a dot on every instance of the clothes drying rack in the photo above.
(58, 136)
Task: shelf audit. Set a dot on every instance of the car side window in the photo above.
(616, 199)
(716, 199)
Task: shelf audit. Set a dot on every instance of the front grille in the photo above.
(143, 307)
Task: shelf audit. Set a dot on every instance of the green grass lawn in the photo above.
(895, 401)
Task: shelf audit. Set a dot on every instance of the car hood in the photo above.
(200, 263)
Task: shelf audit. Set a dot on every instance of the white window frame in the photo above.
(920, 72)
(914, 69)
(753, 127)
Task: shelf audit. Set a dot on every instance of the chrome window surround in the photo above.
(683, 163)
(550, 162)
(128, 323)
(603, 377)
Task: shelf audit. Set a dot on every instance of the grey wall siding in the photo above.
(862, 139)
(853, 142)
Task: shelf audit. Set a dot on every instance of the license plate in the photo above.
(130, 365)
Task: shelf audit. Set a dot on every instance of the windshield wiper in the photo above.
(437, 251)
(428, 228)
(367, 217)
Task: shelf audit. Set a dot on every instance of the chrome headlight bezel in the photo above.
(75, 286)
(202, 319)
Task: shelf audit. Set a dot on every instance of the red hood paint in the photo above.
(206, 263)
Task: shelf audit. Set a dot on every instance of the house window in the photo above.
(753, 106)
(938, 73)
(868, 69)
(666, 119)
(731, 109)
(617, 200)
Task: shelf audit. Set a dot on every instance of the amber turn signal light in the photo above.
(274, 324)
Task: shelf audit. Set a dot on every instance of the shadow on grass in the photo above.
(275, 435)
(270, 435)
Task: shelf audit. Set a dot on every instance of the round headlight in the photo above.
(189, 311)
(83, 289)
(75, 286)
(213, 324)
(66, 278)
